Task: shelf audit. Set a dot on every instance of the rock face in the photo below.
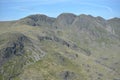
(115, 25)
(14, 54)
(84, 20)
(64, 20)
(67, 75)
(38, 20)
(81, 22)
(12, 50)
(14, 46)
(56, 39)
(69, 47)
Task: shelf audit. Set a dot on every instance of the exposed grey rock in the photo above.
(14, 55)
(38, 20)
(102, 21)
(83, 21)
(116, 79)
(115, 25)
(15, 46)
(64, 20)
(77, 34)
(41, 38)
(61, 41)
(68, 75)
(54, 38)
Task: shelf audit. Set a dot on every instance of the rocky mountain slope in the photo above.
(69, 47)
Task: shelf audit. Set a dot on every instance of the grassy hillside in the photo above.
(83, 49)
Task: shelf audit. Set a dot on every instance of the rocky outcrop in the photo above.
(38, 20)
(54, 38)
(68, 75)
(115, 25)
(12, 54)
(64, 20)
(17, 51)
(68, 47)
(14, 46)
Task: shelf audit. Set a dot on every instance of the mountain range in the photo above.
(69, 47)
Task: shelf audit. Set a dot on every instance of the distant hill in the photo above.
(69, 47)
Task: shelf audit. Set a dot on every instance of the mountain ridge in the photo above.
(69, 47)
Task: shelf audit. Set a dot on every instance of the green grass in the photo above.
(50, 66)
(1, 77)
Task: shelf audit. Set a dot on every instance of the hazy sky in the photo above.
(16, 9)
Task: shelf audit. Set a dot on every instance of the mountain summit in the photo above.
(65, 20)
(38, 20)
(68, 47)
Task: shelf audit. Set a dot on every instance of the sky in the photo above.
(16, 9)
